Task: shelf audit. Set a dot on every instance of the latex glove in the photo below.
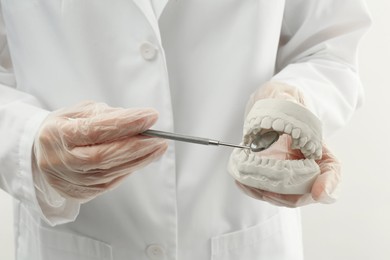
(324, 185)
(88, 149)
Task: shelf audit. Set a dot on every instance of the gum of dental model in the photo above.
(279, 176)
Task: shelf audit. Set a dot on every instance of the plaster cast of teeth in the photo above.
(280, 176)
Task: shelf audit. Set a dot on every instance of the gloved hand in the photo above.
(324, 185)
(87, 149)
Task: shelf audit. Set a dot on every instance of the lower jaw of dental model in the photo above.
(279, 176)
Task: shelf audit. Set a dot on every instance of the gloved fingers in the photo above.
(83, 109)
(79, 192)
(257, 194)
(71, 190)
(285, 200)
(101, 176)
(84, 159)
(279, 90)
(327, 182)
(104, 127)
(136, 164)
(324, 187)
(303, 201)
(86, 149)
(108, 155)
(288, 200)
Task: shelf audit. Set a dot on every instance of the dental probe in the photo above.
(258, 144)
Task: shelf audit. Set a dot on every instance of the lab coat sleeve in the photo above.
(21, 115)
(318, 55)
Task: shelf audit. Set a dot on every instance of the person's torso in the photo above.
(199, 75)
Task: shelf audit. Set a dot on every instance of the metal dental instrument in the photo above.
(257, 145)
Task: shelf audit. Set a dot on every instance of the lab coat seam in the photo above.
(173, 223)
(17, 233)
(165, 75)
(20, 171)
(4, 45)
(7, 42)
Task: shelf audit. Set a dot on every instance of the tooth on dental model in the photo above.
(300, 164)
(302, 141)
(280, 176)
(278, 125)
(279, 165)
(306, 163)
(309, 145)
(256, 131)
(257, 160)
(271, 162)
(266, 123)
(312, 150)
(295, 133)
(318, 152)
(288, 129)
(264, 161)
(295, 144)
(257, 121)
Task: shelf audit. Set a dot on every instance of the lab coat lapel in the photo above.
(147, 9)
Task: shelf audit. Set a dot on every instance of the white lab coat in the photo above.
(196, 62)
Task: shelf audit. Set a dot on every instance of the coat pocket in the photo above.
(67, 246)
(262, 241)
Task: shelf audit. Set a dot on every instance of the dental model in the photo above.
(279, 176)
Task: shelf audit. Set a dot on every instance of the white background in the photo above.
(358, 226)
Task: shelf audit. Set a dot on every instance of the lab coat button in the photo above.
(155, 252)
(148, 51)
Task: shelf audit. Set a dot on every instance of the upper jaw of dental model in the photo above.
(286, 117)
(280, 176)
